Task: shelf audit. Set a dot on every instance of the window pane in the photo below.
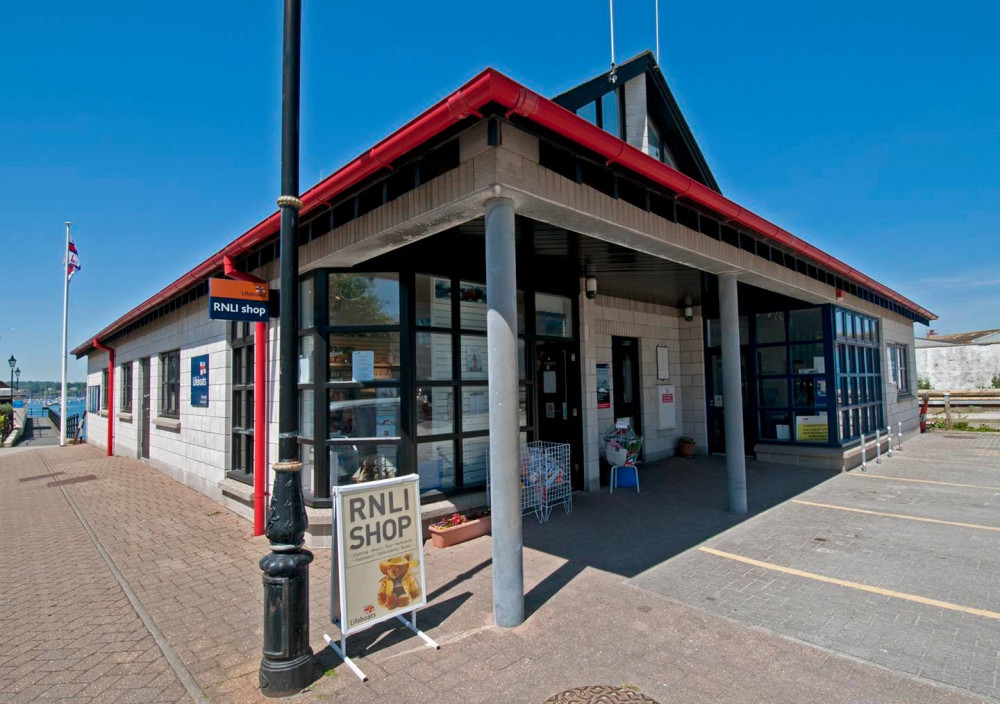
(307, 350)
(307, 455)
(376, 355)
(809, 392)
(770, 327)
(474, 461)
(364, 413)
(522, 406)
(237, 409)
(775, 425)
(553, 315)
(839, 318)
(806, 325)
(363, 462)
(436, 465)
(435, 414)
(307, 288)
(475, 409)
(238, 365)
(472, 305)
(248, 356)
(307, 422)
(773, 393)
(655, 143)
(589, 112)
(433, 300)
(808, 359)
(714, 333)
(364, 299)
(433, 356)
(609, 113)
(772, 360)
(473, 362)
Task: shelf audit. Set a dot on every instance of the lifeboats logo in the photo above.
(202, 368)
(368, 616)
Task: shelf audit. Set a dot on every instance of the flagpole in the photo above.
(62, 398)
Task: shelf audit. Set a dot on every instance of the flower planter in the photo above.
(446, 537)
(686, 449)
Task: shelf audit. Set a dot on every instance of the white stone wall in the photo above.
(959, 367)
(654, 325)
(901, 405)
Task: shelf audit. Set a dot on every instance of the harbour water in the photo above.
(75, 407)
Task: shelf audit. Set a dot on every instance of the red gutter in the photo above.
(111, 394)
(488, 87)
(260, 481)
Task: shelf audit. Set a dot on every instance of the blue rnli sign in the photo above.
(238, 300)
(199, 381)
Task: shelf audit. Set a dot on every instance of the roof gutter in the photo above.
(490, 86)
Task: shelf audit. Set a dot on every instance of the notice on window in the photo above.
(603, 385)
(812, 428)
(363, 365)
(548, 382)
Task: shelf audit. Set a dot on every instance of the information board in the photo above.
(199, 381)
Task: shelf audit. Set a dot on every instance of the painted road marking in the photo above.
(925, 481)
(854, 585)
(895, 515)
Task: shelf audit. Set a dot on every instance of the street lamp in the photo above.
(13, 363)
(17, 375)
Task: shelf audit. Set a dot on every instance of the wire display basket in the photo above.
(545, 478)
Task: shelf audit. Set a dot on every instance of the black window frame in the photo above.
(104, 389)
(170, 387)
(241, 411)
(858, 380)
(126, 386)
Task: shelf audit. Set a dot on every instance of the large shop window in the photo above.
(858, 374)
(451, 383)
(170, 384)
(242, 412)
(792, 378)
(362, 418)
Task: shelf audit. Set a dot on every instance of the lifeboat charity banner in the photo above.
(380, 550)
(238, 300)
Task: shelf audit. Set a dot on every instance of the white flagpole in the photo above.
(62, 398)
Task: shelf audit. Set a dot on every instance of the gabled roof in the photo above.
(660, 101)
(981, 337)
(463, 106)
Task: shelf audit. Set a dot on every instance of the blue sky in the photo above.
(871, 129)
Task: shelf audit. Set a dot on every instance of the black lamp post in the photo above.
(17, 376)
(287, 665)
(13, 363)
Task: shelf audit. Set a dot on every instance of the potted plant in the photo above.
(457, 528)
(685, 446)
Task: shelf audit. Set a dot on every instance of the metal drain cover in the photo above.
(599, 694)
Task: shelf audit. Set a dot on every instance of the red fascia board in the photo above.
(491, 86)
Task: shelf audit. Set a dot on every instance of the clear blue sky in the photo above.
(872, 129)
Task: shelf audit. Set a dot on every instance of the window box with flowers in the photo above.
(458, 528)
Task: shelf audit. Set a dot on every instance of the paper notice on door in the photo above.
(550, 410)
(548, 382)
(363, 365)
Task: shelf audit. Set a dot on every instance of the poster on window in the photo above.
(603, 385)
(813, 428)
(380, 571)
(199, 381)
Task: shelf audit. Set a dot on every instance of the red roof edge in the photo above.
(491, 86)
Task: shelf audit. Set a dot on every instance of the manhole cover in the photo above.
(599, 694)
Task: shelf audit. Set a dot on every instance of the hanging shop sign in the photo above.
(199, 381)
(238, 300)
(379, 571)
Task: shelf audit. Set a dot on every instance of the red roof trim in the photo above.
(491, 86)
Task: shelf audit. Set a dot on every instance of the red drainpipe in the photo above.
(260, 482)
(111, 394)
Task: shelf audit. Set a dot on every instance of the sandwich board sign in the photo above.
(238, 300)
(379, 562)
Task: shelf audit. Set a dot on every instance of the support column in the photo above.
(732, 393)
(505, 479)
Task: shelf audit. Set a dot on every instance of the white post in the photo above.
(62, 397)
(505, 469)
(732, 393)
(899, 428)
(657, 31)
(864, 458)
(888, 434)
(878, 447)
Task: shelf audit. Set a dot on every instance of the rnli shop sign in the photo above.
(379, 541)
(238, 300)
(199, 381)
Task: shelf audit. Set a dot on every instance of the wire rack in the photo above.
(545, 478)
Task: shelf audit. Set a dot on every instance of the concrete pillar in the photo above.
(505, 480)
(732, 393)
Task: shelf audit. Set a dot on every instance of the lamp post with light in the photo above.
(17, 377)
(13, 363)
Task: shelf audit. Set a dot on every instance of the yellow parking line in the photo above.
(854, 585)
(923, 481)
(895, 515)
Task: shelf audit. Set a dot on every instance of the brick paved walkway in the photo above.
(193, 568)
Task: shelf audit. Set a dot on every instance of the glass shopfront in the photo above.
(393, 376)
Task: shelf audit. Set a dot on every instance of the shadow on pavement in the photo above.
(683, 503)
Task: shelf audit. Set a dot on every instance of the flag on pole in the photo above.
(72, 260)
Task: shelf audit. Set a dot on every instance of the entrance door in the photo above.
(717, 411)
(144, 420)
(557, 382)
(627, 390)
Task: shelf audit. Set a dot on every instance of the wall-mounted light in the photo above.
(591, 285)
(688, 310)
